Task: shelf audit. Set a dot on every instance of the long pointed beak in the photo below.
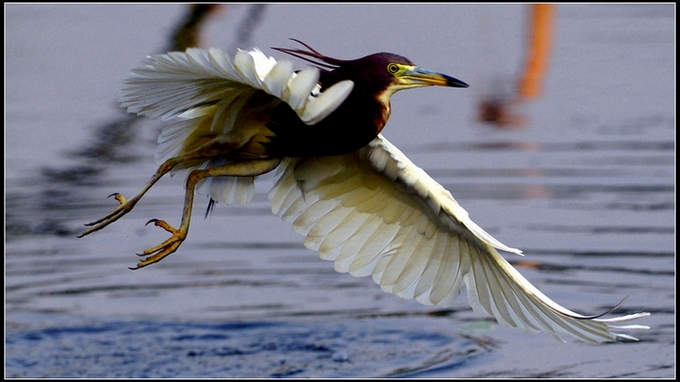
(423, 77)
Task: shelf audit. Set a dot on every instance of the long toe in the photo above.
(165, 251)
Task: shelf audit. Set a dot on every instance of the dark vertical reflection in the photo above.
(248, 25)
(109, 145)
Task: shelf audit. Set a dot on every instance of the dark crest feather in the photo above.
(312, 56)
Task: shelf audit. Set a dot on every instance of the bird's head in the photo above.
(390, 73)
(379, 74)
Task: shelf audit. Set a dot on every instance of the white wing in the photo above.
(201, 94)
(375, 213)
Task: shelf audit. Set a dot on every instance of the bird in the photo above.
(354, 196)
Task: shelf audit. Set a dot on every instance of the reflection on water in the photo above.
(252, 349)
(498, 107)
(591, 202)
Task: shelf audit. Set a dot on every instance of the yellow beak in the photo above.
(417, 77)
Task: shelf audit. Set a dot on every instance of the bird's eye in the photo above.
(393, 68)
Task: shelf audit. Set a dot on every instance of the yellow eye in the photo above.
(393, 68)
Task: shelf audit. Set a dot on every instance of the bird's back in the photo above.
(350, 127)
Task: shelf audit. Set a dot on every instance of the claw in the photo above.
(164, 225)
(126, 205)
(166, 248)
(118, 212)
(119, 197)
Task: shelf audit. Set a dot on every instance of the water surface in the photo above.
(586, 187)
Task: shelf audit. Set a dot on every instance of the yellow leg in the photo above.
(245, 168)
(126, 205)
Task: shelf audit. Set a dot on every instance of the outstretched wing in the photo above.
(374, 212)
(203, 93)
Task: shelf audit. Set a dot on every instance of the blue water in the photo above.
(156, 349)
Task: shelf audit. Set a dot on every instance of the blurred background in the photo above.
(563, 146)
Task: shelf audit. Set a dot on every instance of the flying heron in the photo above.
(356, 198)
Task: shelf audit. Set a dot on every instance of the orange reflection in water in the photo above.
(498, 109)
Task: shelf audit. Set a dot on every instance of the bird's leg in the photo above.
(202, 153)
(126, 205)
(205, 152)
(244, 168)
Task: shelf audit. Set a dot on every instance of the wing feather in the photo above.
(375, 213)
(356, 243)
(448, 274)
(342, 231)
(403, 279)
(368, 255)
(202, 93)
(306, 217)
(424, 285)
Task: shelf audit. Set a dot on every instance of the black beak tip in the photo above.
(455, 83)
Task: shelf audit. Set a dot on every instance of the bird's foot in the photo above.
(159, 252)
(124, 207)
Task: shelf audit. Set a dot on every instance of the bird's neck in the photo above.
(383, 109)
(381, 120)
(365, 104)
